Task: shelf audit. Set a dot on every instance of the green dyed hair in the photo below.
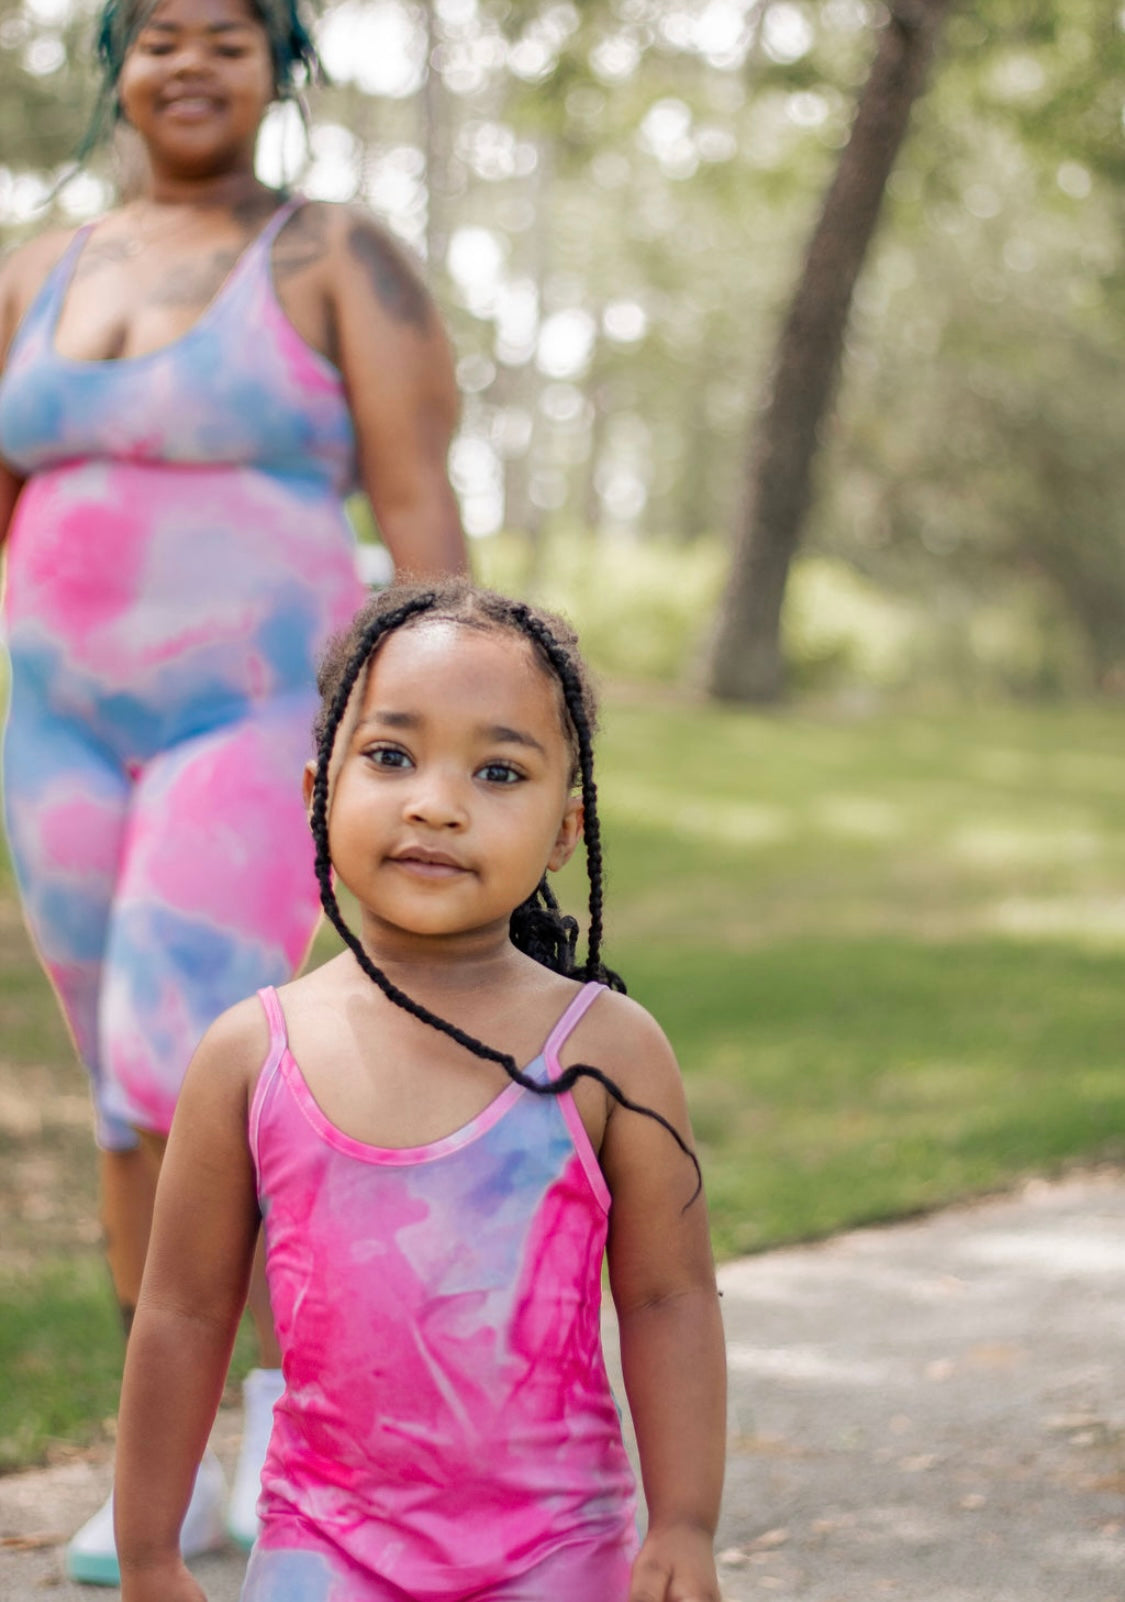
(292, 50)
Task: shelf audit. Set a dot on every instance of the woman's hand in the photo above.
(675, 1564)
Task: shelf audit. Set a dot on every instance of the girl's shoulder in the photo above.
(236, 1046)
(623, 1039)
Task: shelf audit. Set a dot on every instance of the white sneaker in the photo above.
(261, 1388)
(91, 1556)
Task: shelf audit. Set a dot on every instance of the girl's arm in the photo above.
(397, 366)
(194, 1289)
(663, 1282)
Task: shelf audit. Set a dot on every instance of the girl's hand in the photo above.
(675, 1564)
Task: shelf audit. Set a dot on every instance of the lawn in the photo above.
(886, 948)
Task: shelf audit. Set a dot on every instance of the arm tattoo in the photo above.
(396, 287)
(301, 243)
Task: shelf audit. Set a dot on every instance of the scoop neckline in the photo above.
(113, 363)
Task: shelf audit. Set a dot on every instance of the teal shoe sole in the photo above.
(93, 1568)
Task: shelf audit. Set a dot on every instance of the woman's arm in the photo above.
(672, 1350)
(10, 483)
(398, 369)
(10, 487)
(194, 1289)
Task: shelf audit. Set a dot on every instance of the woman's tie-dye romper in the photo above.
(178, 556)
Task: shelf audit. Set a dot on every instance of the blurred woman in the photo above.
(189, 388)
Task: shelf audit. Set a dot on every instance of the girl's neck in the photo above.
(450, 965)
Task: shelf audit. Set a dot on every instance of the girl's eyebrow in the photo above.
(501, 733)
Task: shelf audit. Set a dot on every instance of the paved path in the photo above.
(932, 1412)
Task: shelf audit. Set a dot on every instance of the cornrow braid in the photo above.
(537, 927)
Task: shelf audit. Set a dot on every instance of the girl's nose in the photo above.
(437, 802)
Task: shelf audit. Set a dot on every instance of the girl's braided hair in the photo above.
(538, 927)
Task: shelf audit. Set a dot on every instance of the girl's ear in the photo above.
(570, 832)
(308, 779)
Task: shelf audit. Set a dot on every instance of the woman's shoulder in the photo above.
(357, 251)
(23, 272)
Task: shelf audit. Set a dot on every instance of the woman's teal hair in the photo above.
(294, 54)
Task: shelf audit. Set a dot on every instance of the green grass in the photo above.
(887, 951)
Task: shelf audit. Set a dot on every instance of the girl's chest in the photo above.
(383, 1094)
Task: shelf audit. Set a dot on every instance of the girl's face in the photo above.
(196, 82)
(452, 793)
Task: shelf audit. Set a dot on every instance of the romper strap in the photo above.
(279, 1041)
(279, 1034)
(566, 1025)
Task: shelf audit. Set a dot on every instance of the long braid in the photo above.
(592, 834)
(559, 946)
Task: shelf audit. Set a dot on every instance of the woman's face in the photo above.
(195, 83)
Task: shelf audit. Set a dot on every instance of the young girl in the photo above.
(435, 1215)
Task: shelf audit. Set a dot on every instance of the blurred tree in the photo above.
(746, 661)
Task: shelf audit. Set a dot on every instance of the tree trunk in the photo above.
(745, 660)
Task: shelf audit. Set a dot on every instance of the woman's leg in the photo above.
(127, 1185)
(216, 898)
(66, 804)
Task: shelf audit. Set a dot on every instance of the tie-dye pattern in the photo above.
(178, 556)
(447, 1430)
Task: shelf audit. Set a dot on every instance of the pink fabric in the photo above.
(447, 1426)
(177, 560)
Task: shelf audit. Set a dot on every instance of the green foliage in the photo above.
(887, 952)
(671, 162)
(60, 1357)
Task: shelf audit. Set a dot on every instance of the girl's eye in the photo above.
(501, 773)
(387, 756)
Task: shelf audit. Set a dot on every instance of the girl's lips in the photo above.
(429, 865)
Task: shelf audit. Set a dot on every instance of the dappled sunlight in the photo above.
(1001, 844)
(728, 823)
(861, 817)
(1097, 921)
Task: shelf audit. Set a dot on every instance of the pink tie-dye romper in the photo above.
(177, 558)
(447, 1430)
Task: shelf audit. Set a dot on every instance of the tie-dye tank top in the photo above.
(179, 550)
(447, 1421)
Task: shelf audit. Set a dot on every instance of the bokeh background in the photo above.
(866, 860)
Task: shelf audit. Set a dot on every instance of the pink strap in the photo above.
(279, 1035)
(279, 1040)
(566, 1025)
